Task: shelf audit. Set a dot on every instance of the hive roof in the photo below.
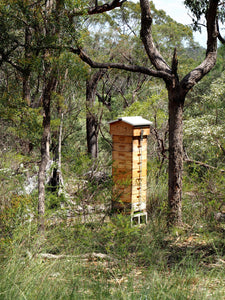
(134, 121)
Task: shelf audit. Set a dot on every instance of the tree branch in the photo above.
(105, 7)
(211, 53)
(146, 37)
(201, 164)
(97, 9)
(221, 39)
(17, 67)
(131, 68)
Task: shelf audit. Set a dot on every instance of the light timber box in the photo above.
(129, 169)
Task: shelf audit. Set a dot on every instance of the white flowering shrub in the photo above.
(202, 137)
(204, 134)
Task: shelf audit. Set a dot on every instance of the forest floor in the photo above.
(112, 260)
(85, 253)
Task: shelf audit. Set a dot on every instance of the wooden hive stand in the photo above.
(129, 169)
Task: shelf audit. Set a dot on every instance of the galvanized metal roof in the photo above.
(134, 121)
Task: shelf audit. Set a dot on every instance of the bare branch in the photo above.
(211, 53)
(196, 162)
(131, 68)
(97, 9)
(105, 7)
(17, 67)
(146, 37)
(174, 62)
(221, 39)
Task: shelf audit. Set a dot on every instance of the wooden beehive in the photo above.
(129, 169)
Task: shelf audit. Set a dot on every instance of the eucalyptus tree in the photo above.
(15, 35)
(92, 121)
(117, 35)
(33, 35)
(35, 29)
(177, 90)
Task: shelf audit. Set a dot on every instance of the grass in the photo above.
(114, 261)
(109, 259)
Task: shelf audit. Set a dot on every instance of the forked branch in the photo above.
(131, 68)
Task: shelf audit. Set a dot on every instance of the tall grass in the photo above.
(135, 263)
(107, 258)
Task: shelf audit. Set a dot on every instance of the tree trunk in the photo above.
(177, 91)
(26, 87)
(92, 134)
(175, 159)
(60, 158)
(27, 69)
(45, 142)
(56, 181)
(92, 126)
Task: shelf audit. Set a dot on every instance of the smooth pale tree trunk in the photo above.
(175, 160)
(50, 82)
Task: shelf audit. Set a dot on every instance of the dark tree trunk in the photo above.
(92, 134)
(45, 142)
(56, 181)
(177, 90)
(175, 160)
(26, 87)
(92, 123)
(27, 69)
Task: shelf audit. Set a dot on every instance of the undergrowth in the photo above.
(113, 260)
(104, 257)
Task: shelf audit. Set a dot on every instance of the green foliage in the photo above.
(153, 108)
(15, 207)
(53, 201)
(90, 183)
(124, 262)
(204, 191)
(202, 136)
(197, 8)
(16, 211)
(157, 188)
(204, 130)
(25, 121)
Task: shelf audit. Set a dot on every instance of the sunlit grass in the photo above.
(113, 261)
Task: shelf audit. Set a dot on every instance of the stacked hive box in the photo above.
(129, 168)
